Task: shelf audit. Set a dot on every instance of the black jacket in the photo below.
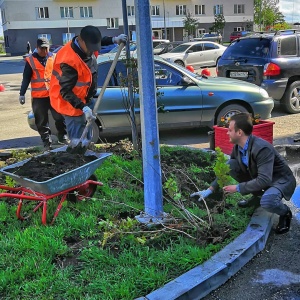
(267, 168)
(69, 75)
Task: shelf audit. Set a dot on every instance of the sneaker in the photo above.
(48, 147)
(63, 140)
(284, 223)
(253, 201)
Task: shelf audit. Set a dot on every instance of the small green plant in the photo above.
(221, 168)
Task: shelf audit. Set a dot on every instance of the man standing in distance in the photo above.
(34, 71)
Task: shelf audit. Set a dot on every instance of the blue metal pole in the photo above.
(149, 127)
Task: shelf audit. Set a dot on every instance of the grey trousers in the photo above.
(271, 199)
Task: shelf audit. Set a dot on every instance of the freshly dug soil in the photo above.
(50, 165)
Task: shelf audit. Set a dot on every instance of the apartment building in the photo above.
(61, 20)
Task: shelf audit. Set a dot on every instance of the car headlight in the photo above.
(264, 93)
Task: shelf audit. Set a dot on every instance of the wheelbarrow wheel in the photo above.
(86, 191)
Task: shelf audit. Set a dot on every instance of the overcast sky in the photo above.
(291, 10)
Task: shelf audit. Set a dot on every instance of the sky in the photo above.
(291, 10)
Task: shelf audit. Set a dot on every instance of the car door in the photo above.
(193, 55)
(113, 110)
(210, 54)
(178, 103)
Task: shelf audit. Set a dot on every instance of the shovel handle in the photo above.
(109, 74)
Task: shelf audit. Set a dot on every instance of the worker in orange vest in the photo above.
(34, 74)
(74, 78)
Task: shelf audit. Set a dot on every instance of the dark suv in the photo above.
(269, 60)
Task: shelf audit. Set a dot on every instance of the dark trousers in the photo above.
(40, 107)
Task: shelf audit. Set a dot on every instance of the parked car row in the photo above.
(188, 99)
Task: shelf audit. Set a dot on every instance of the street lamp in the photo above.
(165, 28)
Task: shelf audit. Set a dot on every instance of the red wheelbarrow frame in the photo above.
(23, 193)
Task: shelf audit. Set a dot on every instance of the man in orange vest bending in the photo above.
(34, 71)
(74, 78)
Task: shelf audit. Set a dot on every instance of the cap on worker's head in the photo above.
(205, 72)
(190, 68)
(42, 42)
(91, 35)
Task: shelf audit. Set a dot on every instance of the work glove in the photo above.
(22, 99)
(88, 114)
(202, 194)
(122, 38)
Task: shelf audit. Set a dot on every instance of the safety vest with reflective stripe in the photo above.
(48, 70)
(38, 87)
(67, 55)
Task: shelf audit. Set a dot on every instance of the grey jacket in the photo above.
(267, 168)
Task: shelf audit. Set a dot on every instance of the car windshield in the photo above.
(258, 47)
(132, 47)
(160, 47)
(180, 48)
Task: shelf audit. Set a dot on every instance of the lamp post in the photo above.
(165, 28)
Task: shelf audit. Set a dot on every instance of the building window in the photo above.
(180, 10)
(155, 10)
(239, 29)
(130, 10)
(218, 9)
(66, 12)
(86, 12)
(239, 8)
(199, 9)
(112, 23)
(42, 12)
(66, 37)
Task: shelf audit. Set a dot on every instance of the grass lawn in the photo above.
(96, 249)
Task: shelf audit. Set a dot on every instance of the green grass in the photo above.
(97, 250)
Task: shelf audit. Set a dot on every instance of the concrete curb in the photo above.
(203, 279)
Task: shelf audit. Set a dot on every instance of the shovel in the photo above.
(79, 146)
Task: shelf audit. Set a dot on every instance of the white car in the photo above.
(196, 54)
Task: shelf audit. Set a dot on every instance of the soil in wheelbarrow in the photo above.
(45, 167)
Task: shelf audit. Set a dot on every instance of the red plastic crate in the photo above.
(263, 130)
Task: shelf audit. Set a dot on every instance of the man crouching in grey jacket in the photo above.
(260, 171)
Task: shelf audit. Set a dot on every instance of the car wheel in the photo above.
(180, 63)
(290, 101)
(95, 132)
(230, 110)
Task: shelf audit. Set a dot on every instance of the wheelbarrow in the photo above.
(74, 185)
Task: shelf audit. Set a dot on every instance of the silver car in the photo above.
(196, 54)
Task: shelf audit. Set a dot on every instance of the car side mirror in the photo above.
(185, 80)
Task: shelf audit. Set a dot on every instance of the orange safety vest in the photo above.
(38, 87)
(48, 70)
(68, 56)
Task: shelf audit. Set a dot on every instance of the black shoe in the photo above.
(253, 201)
(47, 147)
(63, 140)
(284, 223)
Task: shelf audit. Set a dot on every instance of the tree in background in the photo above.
(267, 14)
(218, 24)
(190, 24)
